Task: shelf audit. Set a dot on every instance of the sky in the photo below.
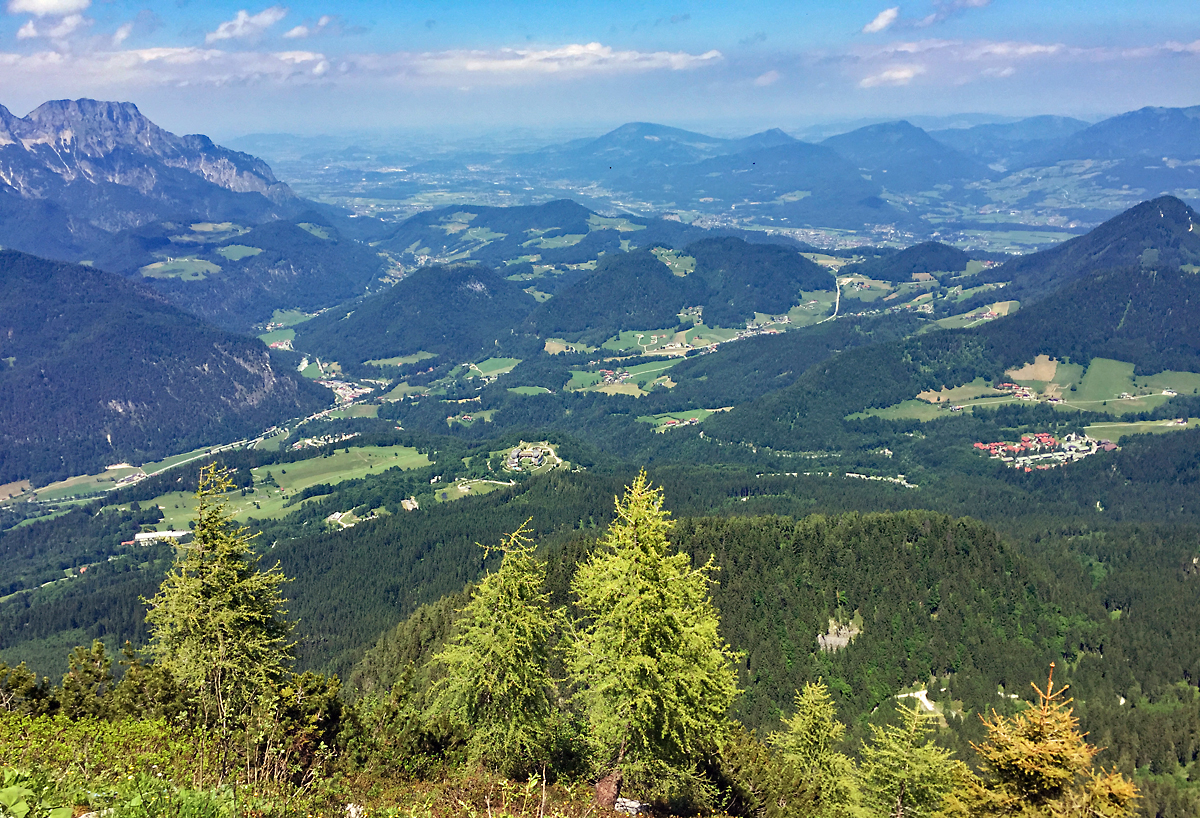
(728, 67)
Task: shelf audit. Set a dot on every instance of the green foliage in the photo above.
(24, 796)
(1039, 766)
(86, 686)
(655, 677)
(497, 685)
(902, 773)
(809, 742)
(22, 692)
(216, 622)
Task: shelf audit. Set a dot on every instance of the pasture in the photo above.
(620, 224)
(554, 346)
(492, 367)
(275, 485)
(401, 360)
(237, 252)
(529, 390)
(676, 262)
(1116, 431)
(276, 335)
(186, 268)
(320, 231)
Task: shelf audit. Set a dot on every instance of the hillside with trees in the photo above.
(97, 371)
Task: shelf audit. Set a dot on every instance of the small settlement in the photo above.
(1042, 450)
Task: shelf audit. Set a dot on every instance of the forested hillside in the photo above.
(98, 371)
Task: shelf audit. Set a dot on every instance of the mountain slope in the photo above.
(1163, 233)
(458, 311)
(1150, 132)
(926, 257)
(1010, 144)
(741, 279)
(902, 157)
(94, 370)
(93, 168)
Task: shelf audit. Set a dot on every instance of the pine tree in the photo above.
(88, 683)
(1040, 766)
(902, 774)
(809, 742)
(654, 676)
(497, 684)
(217, 623)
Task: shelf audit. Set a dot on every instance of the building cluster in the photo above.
(286, 343)
(1019, 392)
(527, 458)
(674, 423)
(608, 376)
(322, 440)
(149, 537)
(1042, 451)
(345, 391)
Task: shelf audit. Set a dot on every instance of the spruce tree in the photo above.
(1038, 765)
(809, 742)
(217, 623)
(903, 775)
(497, 684)
(654, 676)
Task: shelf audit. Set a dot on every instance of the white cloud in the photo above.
(899, 75)
(47, 8)
(122, 34)
(298, 31)
(326, 23)
(27, 31)
(769, 78)
(575, 58)
(67, 26)
(245, 25)
(882, 21)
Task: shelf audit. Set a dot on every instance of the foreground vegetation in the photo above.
(523, 707)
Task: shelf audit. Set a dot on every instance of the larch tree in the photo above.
(653, 674)
(217, 623)
(1038, 765)
(809, 742)
(498, 685)
(902, 774)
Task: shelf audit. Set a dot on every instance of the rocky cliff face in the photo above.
(91, 167)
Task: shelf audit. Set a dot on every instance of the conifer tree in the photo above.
(654, 676)
(87, 683)
(217, 622)
(1040, 766)
(903, 775)
(497, 683)
(809, 742)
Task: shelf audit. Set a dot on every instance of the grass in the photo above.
(529, 390)
(360, 410)
(703, 335)
(290, 318)
(660, 421)
(1105, 379)
(401, 360)
(582, 380)
(292, 478)
(188, 268)
(912, 409)
(806, 314)
(538, 295)
(565, 240)
(403, 390)
(1116, 431)
(605, 223)
(1185, 383)
(650, 341)
(275, 335)
(317, 230)
(556, 345)
(466, 488)
(237, 252)
(676, 262)
(493, 367)
(476, 416)
(215, 227)
(82, 485)
(977, 388)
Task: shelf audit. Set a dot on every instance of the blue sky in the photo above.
(727, 67)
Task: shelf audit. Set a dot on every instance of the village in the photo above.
(1041, 451)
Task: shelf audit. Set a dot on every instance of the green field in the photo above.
(529, 390)
(660, 421)
(621, 224)
(493, 367)
(187, 268)
(237, 252)
(582, 380)
(267, 501)
(565, 240)
(476, 416)
(641, 340)
(1116, 431)
(912, 409)
(290, 318)
(402, 360)
(275, 335)
(317, 230)
(678, 263)
(466, 488)
(805, 314)
(357, 411)
(216, 227)
(403, 390)
(1185, 383)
